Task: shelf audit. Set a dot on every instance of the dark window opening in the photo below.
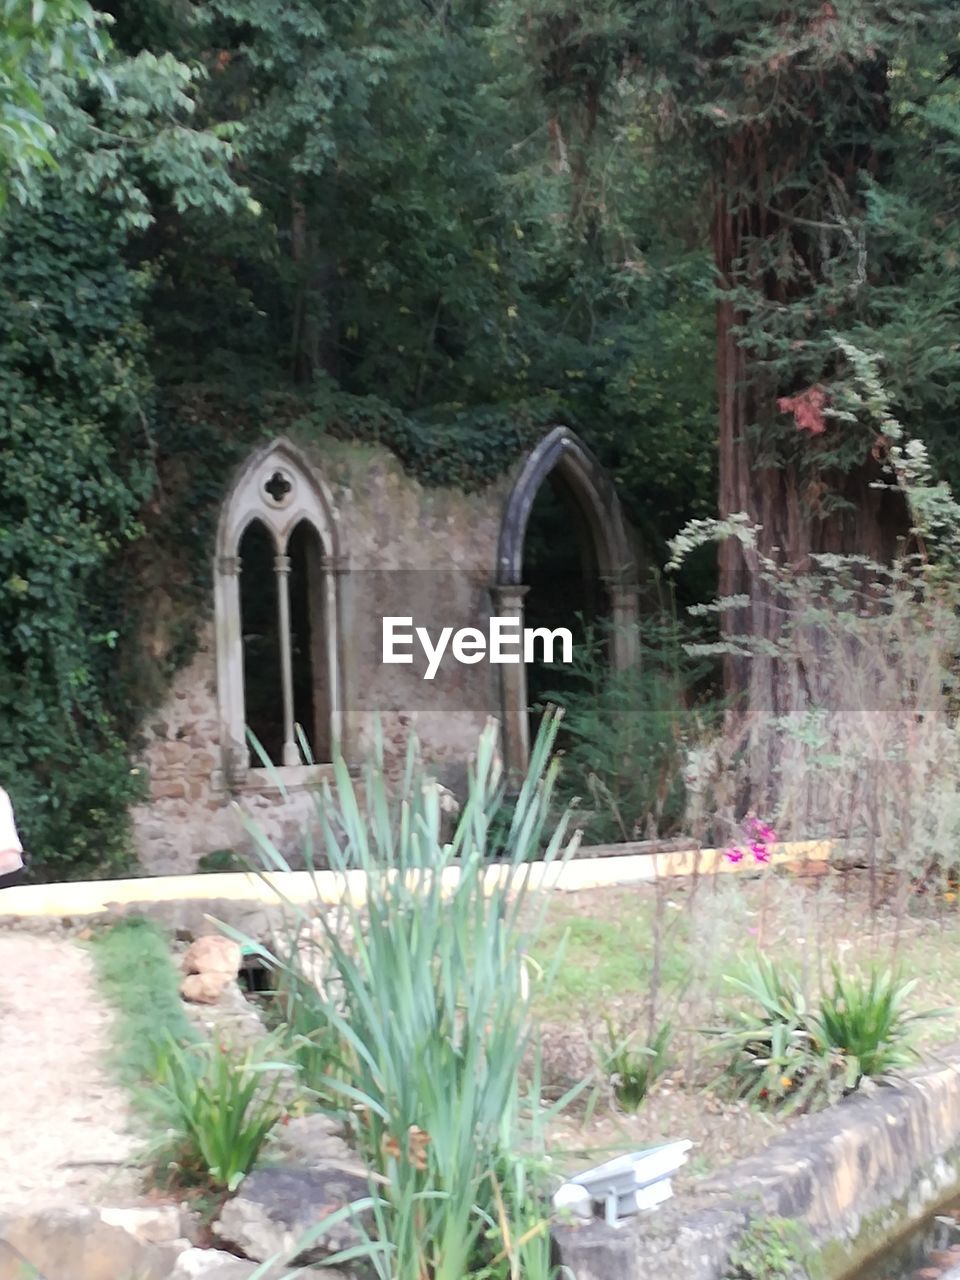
(262, 688)
(308, 630)
(561, 569)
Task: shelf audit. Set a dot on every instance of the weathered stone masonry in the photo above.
(390, 546)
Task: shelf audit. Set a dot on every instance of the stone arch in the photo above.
(561, 451)
(277, 487)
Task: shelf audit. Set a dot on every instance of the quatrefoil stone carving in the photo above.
(278, 489)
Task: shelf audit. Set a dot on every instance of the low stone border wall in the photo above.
(855, 1177)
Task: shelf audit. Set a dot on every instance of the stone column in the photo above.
(233, 743)
(625, 649)
(291, 752)
(334, 569)
(515, 722)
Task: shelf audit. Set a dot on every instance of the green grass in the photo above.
(603, 959)
(137, 977)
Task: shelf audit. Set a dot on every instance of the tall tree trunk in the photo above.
(869, 521)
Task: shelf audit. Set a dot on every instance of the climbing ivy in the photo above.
(74, 470)
(104, 137)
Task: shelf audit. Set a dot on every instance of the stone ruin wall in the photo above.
(387, 521)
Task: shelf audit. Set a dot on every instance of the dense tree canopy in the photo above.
(443, 226)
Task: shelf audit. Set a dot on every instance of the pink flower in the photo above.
(760, 836)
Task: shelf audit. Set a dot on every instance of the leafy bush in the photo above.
(220, 1107)
(785, 1052)
(632, 1070)
(427, 992)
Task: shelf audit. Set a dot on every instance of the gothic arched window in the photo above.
(276, 618)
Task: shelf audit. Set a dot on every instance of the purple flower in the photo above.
(733, 855)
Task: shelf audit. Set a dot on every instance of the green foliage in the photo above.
(774, 1249)
(626, 734)
(420, 265)
(633, 1069)
(465, 448)
(75, 426)
(211, 1105)
(789, 1053)
(867, 1021)
(219, 860)
(773, 1050)
(72, 378)
(39, 41)
(220, 1103)
(426, 990)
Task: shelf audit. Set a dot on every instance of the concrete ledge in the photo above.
(856, 1176)
(83, 898)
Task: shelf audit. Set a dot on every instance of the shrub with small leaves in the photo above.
(774, 1249)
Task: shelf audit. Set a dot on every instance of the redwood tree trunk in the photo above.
(783, 504)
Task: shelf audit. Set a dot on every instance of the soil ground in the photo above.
(64, 1136)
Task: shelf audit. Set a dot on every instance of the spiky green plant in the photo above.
(428, 995)
(633, 1068)
(782, 1050)
(773, 1051)
(220, 1104)
(866, 1019)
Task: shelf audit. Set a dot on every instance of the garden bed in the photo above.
(635, 956)
(710, 930)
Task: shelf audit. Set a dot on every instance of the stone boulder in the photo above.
(204, 988)
(213, 954)
(211, 965)
(313, 1142)
(275, 1208)
(87, 1244)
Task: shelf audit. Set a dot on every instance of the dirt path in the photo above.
(63, 1121)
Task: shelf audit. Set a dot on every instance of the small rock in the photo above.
(205, 988)
(213, 954)
(313, 1141)
(158, 1224)
(274, 1210)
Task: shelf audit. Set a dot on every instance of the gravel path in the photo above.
(63, 1121)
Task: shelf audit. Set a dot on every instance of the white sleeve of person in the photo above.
(11, 850)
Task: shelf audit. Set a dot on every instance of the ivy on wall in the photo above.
(74, 471)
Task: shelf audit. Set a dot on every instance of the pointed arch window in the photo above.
(276, 596)
(563, 459)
